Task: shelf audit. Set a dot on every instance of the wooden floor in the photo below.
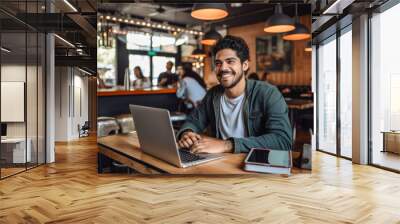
(387, 159)
(70, 191)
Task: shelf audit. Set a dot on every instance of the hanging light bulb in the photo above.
(279, 22)
(301, 32)
(199, 53)
(211, 37)
(209, 11)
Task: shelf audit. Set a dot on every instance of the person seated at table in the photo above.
(167, 78)
(265, 78)
(191, 87)
(239, 114)
(141, 81)
(253, 76)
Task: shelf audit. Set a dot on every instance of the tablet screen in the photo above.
(259, 156)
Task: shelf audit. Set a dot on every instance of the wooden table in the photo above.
(299, 104)
(295, 105)
(126, 150)
(391, 141)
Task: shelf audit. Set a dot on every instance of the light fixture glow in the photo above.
(211, 37)
(5, 49)
(209, 11)
(70, 5)
(65, 41)
(301, 32)
(84, 71)
(199, 53)
(308, 47)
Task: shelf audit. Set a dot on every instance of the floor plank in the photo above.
(70, 191)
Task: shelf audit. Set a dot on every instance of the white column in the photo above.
(50, 99)
(360, 90)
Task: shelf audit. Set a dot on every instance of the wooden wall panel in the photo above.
(301, 69)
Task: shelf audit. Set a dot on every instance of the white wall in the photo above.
(71, 102)
(33, 127)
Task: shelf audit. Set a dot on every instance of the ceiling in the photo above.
(179, 13)
(76, 24)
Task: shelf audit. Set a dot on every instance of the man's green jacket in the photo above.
(265, 117)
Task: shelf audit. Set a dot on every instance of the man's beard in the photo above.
(235, 81)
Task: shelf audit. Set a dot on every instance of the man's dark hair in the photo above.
(235, 43)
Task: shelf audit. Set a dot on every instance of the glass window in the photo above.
(143, 61)
(159, 63)
(346, 94)
(106, 62)
(327, 96)
(164, 43)
(138, 41)
(14, 155)
(385, 89)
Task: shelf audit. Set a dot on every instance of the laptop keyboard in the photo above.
(187, 156)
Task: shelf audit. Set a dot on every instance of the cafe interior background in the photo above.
(149, 35)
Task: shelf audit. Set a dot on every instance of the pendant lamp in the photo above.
(279, 22)
(301, 32)
(308, 47)
(209, 11)
(211, 37)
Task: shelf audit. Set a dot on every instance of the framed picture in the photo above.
(273, 54)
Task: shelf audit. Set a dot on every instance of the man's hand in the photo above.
(163, 81)
(188, 139)
(212, 145)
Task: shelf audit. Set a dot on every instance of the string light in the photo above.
(149, 24)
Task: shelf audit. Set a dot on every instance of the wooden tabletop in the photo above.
(136, 92)
(128, 144)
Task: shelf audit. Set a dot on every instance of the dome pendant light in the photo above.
(209, 11)
(308, 47)
(199, 53)
(279, 22)
(301, 32)
(211, 37)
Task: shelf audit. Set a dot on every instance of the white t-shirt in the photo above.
(231, 122)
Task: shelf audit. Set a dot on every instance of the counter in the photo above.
(113, 102)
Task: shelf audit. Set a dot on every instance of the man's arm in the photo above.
(199, 119)
(278, 130)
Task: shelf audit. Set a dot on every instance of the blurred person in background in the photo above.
(191, 87)
(253, 76)
(167, 78)
(140, 81)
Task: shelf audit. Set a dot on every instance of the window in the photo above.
(162, 43)
(327, 96)
(22, 75)
(159, 63)
(143, 61)
(138, 41)
(385, 87)
(106, 64)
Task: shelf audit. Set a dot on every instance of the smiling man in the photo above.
(239, 114)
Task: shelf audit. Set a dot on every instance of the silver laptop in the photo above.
(157, 138)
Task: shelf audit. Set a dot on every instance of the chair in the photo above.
(83, 131)
(107, 126)
(125, 122)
